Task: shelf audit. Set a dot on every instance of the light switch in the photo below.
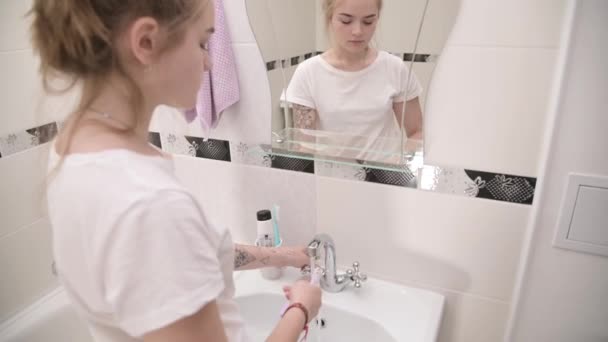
(583, 223)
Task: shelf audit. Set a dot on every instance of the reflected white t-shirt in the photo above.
(133, 248)
(356, 103)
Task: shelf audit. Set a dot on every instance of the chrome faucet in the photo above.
(331, 281)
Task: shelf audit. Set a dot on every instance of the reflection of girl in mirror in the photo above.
(134, 250)
(353, 88)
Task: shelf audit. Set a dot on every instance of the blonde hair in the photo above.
(75, 39)
(329, 7)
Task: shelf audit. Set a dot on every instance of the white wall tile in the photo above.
(22, 178)
(456, 243)
(472, 319)
(231, 194)
(488, 107)
(466, 317)
(23, 101)
(564, 294)
(236, 16)
(14, 26)
(25, 265)
(399, 23)
(516, 23)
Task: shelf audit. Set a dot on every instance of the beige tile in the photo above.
(14, 27)
(399, 25)
(261, 23)
(320, 32)
(231, 195)
(278, 81)
(22, 178)
(438, 23)
(456, 243)
(496, 121)
(516, 23)
(424, 72)
(25, 264)
(294, 26)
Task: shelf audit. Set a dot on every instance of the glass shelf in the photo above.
(343, 149)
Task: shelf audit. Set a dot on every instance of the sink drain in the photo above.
(321, 323)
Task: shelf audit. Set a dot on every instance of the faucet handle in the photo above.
(355, 275)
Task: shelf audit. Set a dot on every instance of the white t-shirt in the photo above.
(356, 103)
(133, 248)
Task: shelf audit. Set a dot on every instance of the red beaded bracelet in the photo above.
(301, 307)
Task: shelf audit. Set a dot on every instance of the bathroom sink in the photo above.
(380, 311)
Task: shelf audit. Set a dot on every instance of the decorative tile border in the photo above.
(479, 184)
(461, 182)
(28, 139)
(295, 60)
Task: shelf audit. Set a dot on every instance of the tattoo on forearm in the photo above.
(265, 261)
(304, 117)
(242, 258)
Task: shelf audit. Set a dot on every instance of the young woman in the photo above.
(132, 247)
(353, 88)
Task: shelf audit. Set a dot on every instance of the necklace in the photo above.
(106, 116)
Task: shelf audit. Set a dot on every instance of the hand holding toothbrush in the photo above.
(306, 293)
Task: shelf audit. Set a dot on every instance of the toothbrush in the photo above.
(275, 223)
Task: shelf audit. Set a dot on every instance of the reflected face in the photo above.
(353, 24)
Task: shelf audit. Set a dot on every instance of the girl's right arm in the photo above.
(304, 117)
(206, 325)
(293, 322)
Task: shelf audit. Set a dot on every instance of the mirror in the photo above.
(349, 79)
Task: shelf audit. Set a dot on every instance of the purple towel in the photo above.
(220, 87)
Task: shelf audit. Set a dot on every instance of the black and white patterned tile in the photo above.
(210, 148)
(295, 60)
(250, 154)
(339, 170)
(27, 139)
(488, 185)
(447, 180)
(292, 164)
(455, 181)
(154, 139)
(176, 144)
(501, 187)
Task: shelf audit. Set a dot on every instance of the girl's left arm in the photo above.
(247, 257)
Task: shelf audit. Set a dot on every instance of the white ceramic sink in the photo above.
(380, 311)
